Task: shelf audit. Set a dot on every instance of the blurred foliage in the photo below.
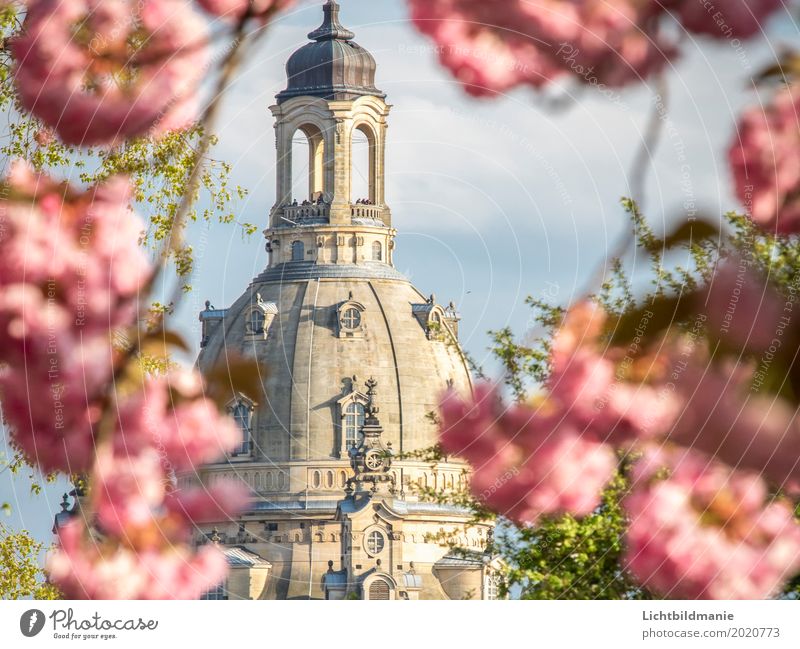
(21, 576)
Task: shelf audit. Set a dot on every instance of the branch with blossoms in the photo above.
(100, 74)
(695, 385)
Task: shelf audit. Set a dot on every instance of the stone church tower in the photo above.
(354, 362)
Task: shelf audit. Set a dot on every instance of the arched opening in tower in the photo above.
(308, 160)
(362, 172)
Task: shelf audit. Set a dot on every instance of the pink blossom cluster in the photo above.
(698, 528)
(765, 161)
(701, 530)
(138, 545)
(723, 416)
(87, 567)
(491, 46)
(100, 71)
(615, 393)
(237, 9)
(70, 271)
(526, 462)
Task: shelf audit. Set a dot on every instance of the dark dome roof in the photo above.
(333, 66)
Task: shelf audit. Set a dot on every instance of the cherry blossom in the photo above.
(724, 416)
(616, 393)
(726, 19)
(700, 530)
(526, 462)
(236, 9)
(87, 567)
(743, 308)
(101, 71)
(765, 162)
(70, 271)
(171, 414)
(493, 46)
(142, 520)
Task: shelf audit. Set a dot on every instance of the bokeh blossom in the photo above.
(526, 463)
(765, 160)
(70, 272)
(143, 521)
(491, 46)
(236, 9)
(101, 71)
(701, 530)
(614, 392)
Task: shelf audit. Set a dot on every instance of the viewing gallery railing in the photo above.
(303, 213)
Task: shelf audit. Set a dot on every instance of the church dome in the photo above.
(321, 333)
(333, 66)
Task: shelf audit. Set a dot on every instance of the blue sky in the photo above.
(493, 200)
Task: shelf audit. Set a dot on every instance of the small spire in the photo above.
(331, 28)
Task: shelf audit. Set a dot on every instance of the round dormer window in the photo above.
(351, 318)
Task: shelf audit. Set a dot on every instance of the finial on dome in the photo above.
(331, 28)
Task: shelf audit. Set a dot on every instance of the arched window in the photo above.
(308, 156)
(353, 422)
(298, 251)
(243, 414)
(362, 171)
(255, 324)
(377, 251)
(379, 589)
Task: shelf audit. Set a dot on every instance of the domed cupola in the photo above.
(333, 67)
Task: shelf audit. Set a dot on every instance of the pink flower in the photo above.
(700, 530)
(128, 490)
(98, 72)
(213, 504)
(170, 413)
(494, 45)
(726, 19)
(525, 463)
(70, 271)
(236, 9)
(743, 308)
(725, 418)
(139, 544)
(85, 567)
(615, 393)
(765, 161)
